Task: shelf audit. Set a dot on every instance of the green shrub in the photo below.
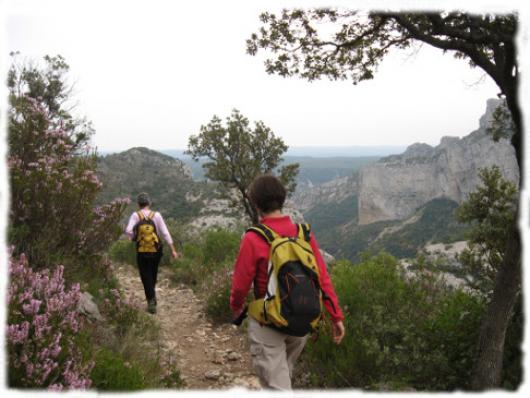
(130, 337)
(400, 333)
(204, 256)
(206, 267)
(220, 244)
(188, 271)
(218, 294)
(112, 373)
(453, 332)
(123, 251)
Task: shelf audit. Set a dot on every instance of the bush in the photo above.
(123, 251)
(218, 294)
(219, 245)
(52, 172)
(205, 256)
(43, 322)
(53, 220)
(112, 373)
(131, 347)
(207, 268)
(402, 333)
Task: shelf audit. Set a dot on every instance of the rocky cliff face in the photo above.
(395, 186)
(329, 192)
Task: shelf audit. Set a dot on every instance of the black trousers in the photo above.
(148, 267)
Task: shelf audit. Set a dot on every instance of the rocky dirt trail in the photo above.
(209, 356)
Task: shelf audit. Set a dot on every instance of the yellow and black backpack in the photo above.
(146, 237)
(293, 302)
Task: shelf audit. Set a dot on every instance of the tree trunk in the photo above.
(517, 138)
(249, 208)
(488, 366)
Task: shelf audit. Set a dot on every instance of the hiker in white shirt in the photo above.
(148, 254)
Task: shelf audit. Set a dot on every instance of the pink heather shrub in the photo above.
(42, 323)
(53, 219)
(52, 171)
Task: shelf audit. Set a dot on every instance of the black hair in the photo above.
(267, 193)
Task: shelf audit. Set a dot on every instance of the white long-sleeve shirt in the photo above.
(161, 228)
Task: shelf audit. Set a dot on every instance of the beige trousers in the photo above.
(273, 355)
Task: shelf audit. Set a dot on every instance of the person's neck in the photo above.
(272, 214)
(145, 208)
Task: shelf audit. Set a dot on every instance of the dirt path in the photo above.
(208, 356)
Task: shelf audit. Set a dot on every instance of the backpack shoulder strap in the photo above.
(151, 215)
(265, 232)
(304, 232)
(140, 215)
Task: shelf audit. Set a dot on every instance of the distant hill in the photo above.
(166, 179)
(317, 164)
(313, 169)
(352, 151)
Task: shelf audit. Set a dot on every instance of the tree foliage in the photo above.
(491, 210)
(237, 153)
(348, 44)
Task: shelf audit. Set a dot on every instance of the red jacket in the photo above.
(253, 259)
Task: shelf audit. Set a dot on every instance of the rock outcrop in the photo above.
(329, 192)
(395, 186)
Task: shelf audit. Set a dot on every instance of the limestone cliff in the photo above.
(329, 192)
(395, 186)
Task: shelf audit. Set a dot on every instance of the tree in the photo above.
(237, 154)
(357, 44)
(490, 209)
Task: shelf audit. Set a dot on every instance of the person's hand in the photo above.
(338, 332)
(174, 254)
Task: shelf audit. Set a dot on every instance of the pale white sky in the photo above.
(151, 73)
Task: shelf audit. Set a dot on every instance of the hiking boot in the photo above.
(151, 306)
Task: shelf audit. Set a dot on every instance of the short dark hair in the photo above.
(143, 199)
(267, 193)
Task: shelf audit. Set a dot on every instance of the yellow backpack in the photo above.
(147, 240)
(293, 302)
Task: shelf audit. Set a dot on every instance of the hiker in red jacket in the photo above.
(273, 352)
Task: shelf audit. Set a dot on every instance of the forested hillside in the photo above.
(166, 179)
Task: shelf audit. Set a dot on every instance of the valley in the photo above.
(398, 203)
